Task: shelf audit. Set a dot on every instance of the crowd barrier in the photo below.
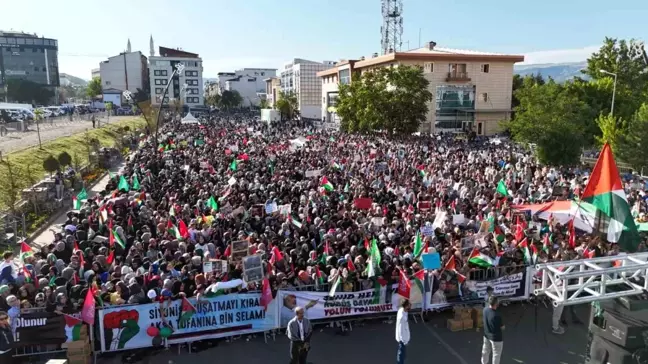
(127, 327)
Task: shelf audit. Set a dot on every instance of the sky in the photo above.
(231, 35)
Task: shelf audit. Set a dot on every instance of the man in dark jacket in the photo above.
(493, 326)
(6, 339)
(299, 332)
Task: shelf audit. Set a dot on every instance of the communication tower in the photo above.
(391, 31)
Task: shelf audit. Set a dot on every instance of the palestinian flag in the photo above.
(524, 246)
(336, 165)
(326, 253)
(451, 266)
(25, 251)
(319, 275)
(534, 253)
(183, 230)
(212, 204)
(547, 242)
(173, 230)
(498, 234)
(326, 184)
(350, 266)
(28, 275)
(295, 222)
(501, 188)
(73, 327)
(187, 310)
(479, 259)
(604, 190)
(374, 259)
(111, 257)
(404, 285)
(334, 285)
(419, 279)
(76, 203)
(117, 239)
(172, 210)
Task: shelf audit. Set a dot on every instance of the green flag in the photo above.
(123, 184)
(501, 188)
(418, 244)
(212, 204)
(83, 195)
(234, 165)
(136, 184)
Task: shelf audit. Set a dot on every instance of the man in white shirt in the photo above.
(402, 331)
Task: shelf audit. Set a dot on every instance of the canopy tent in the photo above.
(189, 119)
(583, 214)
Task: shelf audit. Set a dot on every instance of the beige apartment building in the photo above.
(273, 86)
(471, 90)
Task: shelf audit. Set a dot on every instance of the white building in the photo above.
(300, 76)
(246, 86)
(161, 68)
(95, 72)
(126, 71)
(259, 74)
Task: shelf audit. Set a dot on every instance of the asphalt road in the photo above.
(59, 128)
(527, 339)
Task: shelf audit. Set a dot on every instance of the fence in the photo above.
(145, 326)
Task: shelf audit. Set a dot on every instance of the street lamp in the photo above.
(179, 67)
(613, 89)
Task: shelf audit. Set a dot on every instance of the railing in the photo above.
(457, 76)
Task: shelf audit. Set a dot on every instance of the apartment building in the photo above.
(273, 86)
(259, 74)
(471, 90)
(126, 71)
(162, 67)
(300, 76)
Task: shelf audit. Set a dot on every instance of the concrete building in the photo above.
(300, 76)
(95, 72)
(28, 57)
(161, 68)
(273, 86)
(126, 71)
(246, 86)
(471, 90)
(259, 74)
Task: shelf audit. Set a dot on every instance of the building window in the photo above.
(160, 81)
(428, 67)
(323, 100)
(484, 96)
(485, 68)
(107, 83)
(159, 91)
(35, 69)
(44, 69)
(160, 73)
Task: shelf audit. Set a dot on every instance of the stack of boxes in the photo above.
(463, 318)
(478, 316)
(80, 351)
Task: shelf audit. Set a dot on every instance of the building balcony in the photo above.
(457, 77)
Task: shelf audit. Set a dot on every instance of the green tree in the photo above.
(28, 92)
(287, 104)
(94, 88)
(553, 118)
(230, 100)
(213, 100)
(51, 164)
(10, 186)
(611, 130)
(264, 104)
(390, 99)
(633, 144)
(65, 159)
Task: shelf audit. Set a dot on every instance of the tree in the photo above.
(50, 164)
(553, 118)
(28, 92)
(213, 100)
(264, 104)
(633, 144)
(611, 130)
(149, 113)
(390, 99)
(140, 96)
(9, 184)
(287, 103)
(94, 88)
(64, 159)
(230, 100)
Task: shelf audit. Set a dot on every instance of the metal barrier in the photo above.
(37, 350)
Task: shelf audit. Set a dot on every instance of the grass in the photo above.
(32, 158)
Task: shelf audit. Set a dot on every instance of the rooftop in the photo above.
(173, 52)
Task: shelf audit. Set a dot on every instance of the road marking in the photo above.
(445, 344)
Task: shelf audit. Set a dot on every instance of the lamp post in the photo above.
(613, 89)
(179, 67)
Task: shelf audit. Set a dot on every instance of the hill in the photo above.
(560, 72)
(73, 80)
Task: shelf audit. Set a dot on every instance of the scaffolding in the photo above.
(589, 280)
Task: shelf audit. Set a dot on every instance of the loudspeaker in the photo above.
(628, 329)
(602, 351)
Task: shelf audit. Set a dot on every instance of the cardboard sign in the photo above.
(427, 230)
(285, 209)
(253, 268)
(458, 219)
(231, 181)
(431, 261)
(240, 249)
(215, 266)
(313, 173)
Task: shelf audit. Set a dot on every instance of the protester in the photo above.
(299, 332)
(493, 327)
(402, 331)
(6, 339)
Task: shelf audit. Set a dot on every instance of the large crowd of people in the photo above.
(311, 202)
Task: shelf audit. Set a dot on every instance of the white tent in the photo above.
(189, 119)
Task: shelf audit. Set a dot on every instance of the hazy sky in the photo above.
(266, 33)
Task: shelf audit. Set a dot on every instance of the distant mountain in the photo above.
(69, 80)
(560, 72)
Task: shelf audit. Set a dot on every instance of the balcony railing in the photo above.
(457, 77)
